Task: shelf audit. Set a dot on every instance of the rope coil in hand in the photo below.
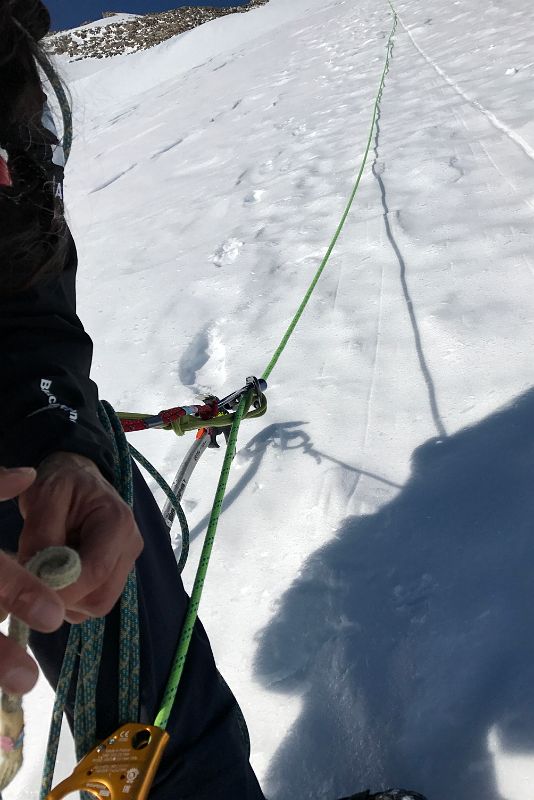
(57, 567)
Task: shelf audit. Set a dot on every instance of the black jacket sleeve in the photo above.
(48, 402)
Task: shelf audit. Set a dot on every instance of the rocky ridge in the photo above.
(132, 33)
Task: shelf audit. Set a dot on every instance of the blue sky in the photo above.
(67, 14)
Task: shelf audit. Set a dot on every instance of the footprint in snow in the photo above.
(300, 130)
(194, 357)
(227, 252)
(379, 167)
(266, 167)
(204, 359)
(413, 599)
(454, 164)
(253, 197)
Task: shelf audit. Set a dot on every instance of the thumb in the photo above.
(15, 481)
(44, 508)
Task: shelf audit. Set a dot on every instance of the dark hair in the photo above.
(33, 234)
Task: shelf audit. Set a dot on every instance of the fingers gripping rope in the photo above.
(57, 567)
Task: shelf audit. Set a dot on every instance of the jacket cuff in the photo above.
(49, 431)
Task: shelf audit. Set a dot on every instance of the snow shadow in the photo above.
(410, 636)
(280, 436)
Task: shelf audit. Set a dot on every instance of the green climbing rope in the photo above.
(63, 101)
(293, 324)
(87, 641)
(192, 612)
(173, 500)
(162, 717)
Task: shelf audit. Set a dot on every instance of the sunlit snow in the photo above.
(371, 589)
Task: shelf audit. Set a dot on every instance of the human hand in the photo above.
(26, 597)
(71, 503)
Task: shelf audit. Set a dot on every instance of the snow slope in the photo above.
(369, 599)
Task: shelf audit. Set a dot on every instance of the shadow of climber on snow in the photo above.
(410, 636)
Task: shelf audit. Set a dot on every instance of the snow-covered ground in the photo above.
(370, 595)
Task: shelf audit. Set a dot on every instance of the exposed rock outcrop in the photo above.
(132, 33)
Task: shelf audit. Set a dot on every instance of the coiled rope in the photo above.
(57, 567)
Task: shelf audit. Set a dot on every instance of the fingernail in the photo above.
(45, 615)
(24, 472)
(19, 680)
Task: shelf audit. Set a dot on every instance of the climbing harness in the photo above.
(126, 762)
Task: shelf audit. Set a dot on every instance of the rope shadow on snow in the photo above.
(407, 637)
(283, 436)
(378, 170)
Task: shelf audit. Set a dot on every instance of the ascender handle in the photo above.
(122, 767)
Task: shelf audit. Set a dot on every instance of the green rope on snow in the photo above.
(162, 717)
(293, 324)
(85, 641)
(192, 612)
(242, 411)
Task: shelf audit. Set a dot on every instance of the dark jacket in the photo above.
(48, 402)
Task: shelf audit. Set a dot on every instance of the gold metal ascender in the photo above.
(122, 767)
